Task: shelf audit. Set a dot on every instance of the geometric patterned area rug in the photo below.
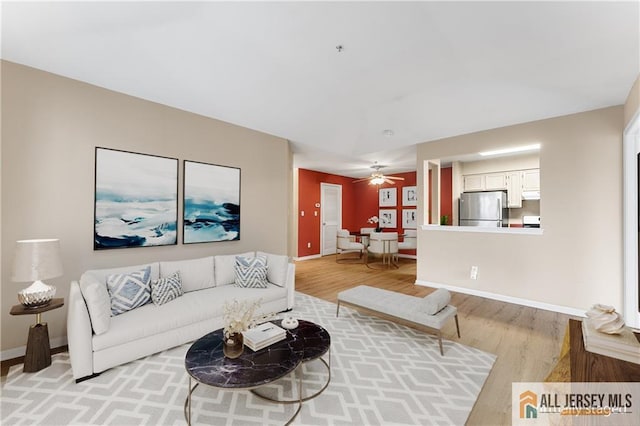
(381, 373)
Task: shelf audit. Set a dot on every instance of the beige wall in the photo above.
(51, 126)
(578, 260)
(501, 164)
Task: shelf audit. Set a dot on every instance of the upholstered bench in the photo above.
(432, 311)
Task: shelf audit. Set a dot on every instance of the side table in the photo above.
(38, 354)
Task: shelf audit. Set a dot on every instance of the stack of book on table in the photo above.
(622, 346)
(263, 335)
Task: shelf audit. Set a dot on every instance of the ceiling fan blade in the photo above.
(387, 180)
(360, 180)
(394, 178)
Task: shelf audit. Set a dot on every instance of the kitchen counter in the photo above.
(477, 229)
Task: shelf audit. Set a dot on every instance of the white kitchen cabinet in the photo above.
(531, 180)
(514, 189)
(495, 181)
(474, 183)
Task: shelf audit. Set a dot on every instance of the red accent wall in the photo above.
(359, 202)
(308, 195)
(446, 193)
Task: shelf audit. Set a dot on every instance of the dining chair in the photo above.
(385, 246)
(346, 244)
(410, 240)
(364, 235)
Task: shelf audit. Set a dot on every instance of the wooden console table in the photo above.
(579, 365)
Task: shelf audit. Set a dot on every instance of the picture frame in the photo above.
(409, 218)
(135, 200)
(409, 196)
(387, 197)
(211, 203)
(388, 218)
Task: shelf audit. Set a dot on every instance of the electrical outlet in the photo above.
(474, 273)
(308, 245)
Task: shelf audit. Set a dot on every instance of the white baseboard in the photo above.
(20, 351)
(508, 299)
(408, 256)
(313, 256)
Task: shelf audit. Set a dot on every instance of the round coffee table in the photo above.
(205, 363)
(316, 342)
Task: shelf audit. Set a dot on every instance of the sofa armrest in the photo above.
(291, 285)
(79, 334)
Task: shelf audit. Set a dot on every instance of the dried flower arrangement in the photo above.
(241, 316)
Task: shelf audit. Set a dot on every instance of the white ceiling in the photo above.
(425, 70)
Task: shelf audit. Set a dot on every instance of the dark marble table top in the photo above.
(206, 363)
(316, 340)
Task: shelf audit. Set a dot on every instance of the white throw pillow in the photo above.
(98, 302)
(129, 291)
(251, 272)
(225, 268)
(277, 267)
(166, 289)
(195, 274)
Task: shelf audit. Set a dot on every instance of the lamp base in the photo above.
(36, 295)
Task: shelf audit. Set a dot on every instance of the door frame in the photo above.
(324, 185)
(631, 207)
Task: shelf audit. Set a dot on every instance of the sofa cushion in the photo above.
(98, 302)
(166, 289)
(102, 274)
(436, 301)
(225, 268)
(251, 272)
(129, 291)
(277, 268)
(93, 285)
(195, 274)
(190, 308)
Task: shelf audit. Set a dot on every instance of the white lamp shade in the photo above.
(37, 260)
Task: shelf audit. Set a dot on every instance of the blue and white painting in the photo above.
(211, 203)
(136, 200)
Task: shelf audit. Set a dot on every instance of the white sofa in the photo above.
(99, 341)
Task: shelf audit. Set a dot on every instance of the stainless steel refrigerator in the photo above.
(488, 209)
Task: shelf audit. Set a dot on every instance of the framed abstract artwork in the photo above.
(211, 203)
(136, 200)
(388, 197)
(409, 218)
(409, 196)
(388, 218)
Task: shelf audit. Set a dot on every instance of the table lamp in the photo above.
(37, 260)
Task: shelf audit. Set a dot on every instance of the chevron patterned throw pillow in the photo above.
(251, 272)
(166, 289)
(128, 291)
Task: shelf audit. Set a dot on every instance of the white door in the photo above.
(331, 216)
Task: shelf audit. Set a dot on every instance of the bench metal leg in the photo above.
(457, 326)
(440, 342)
(338, 309)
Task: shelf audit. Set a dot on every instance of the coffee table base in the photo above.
(187, 401)
(306, 398)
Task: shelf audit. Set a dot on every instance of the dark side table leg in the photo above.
(38, 354)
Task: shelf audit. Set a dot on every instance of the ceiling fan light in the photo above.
(377, 181)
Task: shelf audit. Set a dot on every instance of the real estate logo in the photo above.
(528, 405)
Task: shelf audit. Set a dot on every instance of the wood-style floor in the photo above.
(527, 341)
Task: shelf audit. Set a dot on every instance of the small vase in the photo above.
(233, 345)
(378, 229)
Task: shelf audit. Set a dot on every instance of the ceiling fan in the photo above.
(378, 178)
